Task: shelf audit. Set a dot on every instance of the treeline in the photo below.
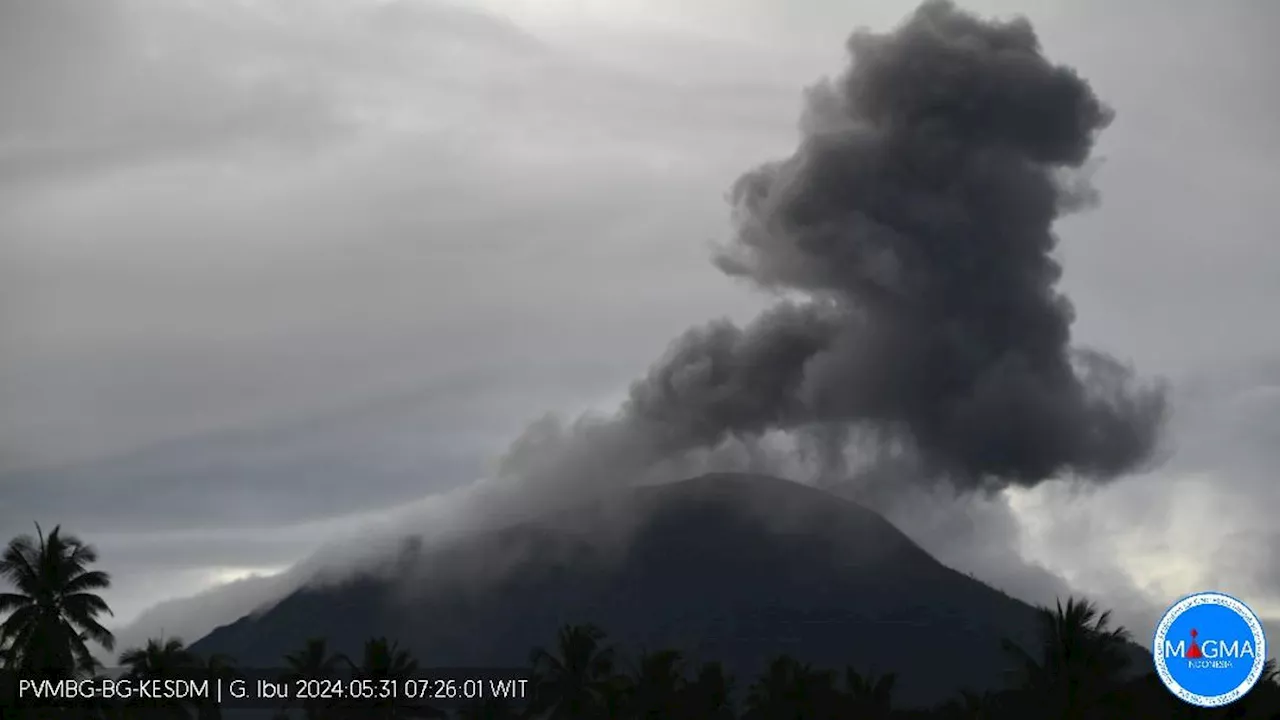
(1080, 670)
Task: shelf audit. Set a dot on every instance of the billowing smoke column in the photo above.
(916, 218)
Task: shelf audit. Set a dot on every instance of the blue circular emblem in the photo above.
(1209, 649)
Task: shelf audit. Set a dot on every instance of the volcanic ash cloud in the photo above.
(914, 220)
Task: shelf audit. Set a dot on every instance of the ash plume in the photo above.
(914, 220)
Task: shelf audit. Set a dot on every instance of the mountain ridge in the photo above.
(731, 567)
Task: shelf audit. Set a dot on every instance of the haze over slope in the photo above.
(731, 567)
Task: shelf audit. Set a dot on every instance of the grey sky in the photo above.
(270, 267)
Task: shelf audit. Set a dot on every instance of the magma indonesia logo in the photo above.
(1209, 649)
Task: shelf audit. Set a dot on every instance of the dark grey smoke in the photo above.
(915, 219)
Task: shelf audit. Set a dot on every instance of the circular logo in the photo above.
(1209, 649)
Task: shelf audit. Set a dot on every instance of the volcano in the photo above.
(729, 567)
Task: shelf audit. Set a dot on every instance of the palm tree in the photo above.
(53, 614)
(772, 693)
(215, 668)
(870, 696)
(1079, 667)
(385, 660)
(159, 660)
(654, 690)
(709, 696)
(314, 661)
(791, 690)
(580, 682)
(970, 706)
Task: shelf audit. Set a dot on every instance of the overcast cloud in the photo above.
(270, 268)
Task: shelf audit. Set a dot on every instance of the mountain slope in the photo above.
(731, 567)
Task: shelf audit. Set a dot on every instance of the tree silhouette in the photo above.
(384, 660)
(1079, 668)
(313, 661)
(654, 690)
(971, 706)
(215, 668)
(791, 690)
(709, 696)
(160, 660)
(53, 614)
(870, 696)
(579, 681)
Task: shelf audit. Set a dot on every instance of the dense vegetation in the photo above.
(1080, 671)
